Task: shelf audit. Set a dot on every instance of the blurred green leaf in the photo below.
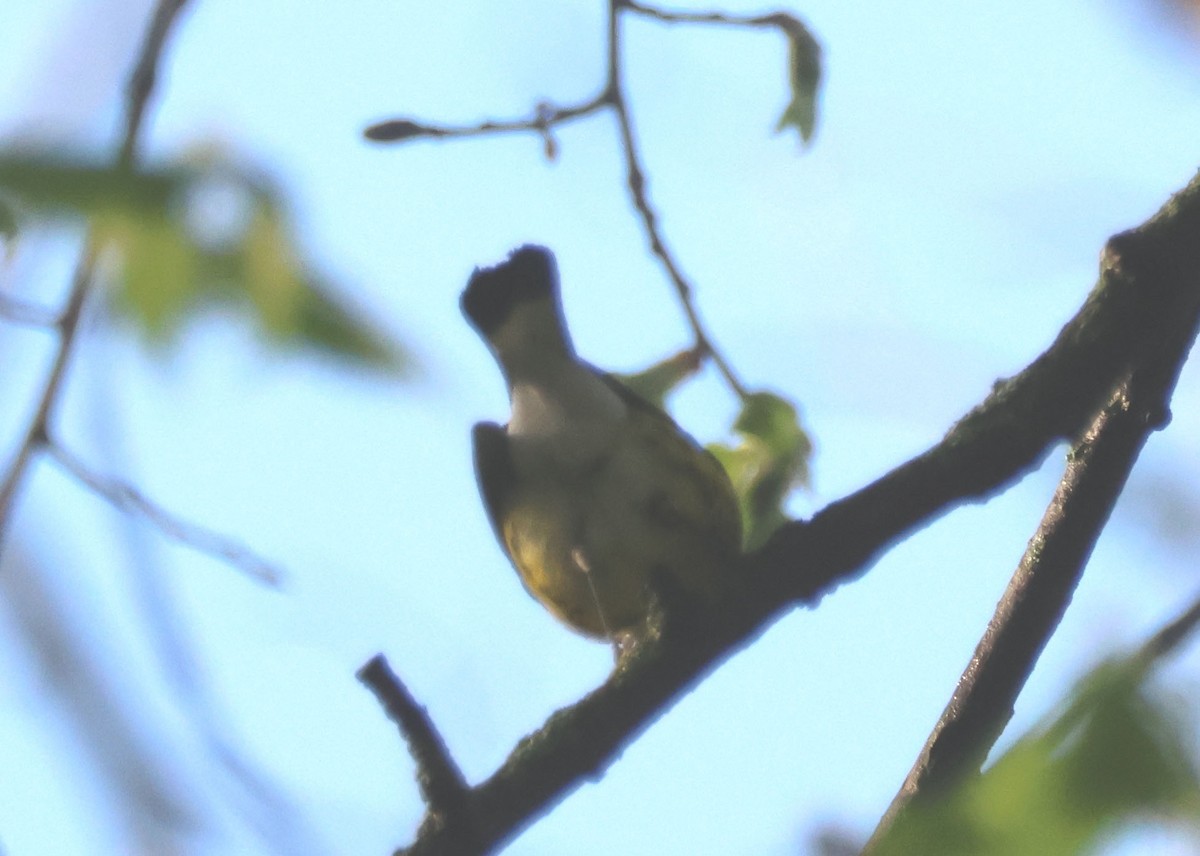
(8, 221)
(1122, 749)
(654, 383)
(157, 271)
(51, 184)
(172, 262)
(804, 76)
(769, 461)
(333, 325)
(1114, 753)
(272, 273)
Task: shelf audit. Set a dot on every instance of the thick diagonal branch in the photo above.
(1030, 610)
(1148, 291)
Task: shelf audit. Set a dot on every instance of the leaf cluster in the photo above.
(198, 234)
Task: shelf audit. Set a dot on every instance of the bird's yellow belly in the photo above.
(589, 551)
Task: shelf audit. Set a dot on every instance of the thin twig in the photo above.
(441, 782)
(544, 118)
(29, 314)
(35, 434)
(138, 92)
(636, 181)
(773, 19)
(128, 499)
(144, 78)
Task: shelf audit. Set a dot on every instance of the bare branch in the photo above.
(441, 782)
(1147, 288)
(636, 181)
(140, 88)
(781, 20)
(545, 117)
(130, 500)
(637, 190)
(144, 78)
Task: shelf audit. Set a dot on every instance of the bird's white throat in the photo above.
(568, 411)
(563, 413)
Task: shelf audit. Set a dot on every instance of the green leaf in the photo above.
(1115, 752)
(54, 185)
(8, 221)
(296, 310)
(157, 278)
(272, 273)
(171, 264)
(768, 462)
(654, 383)
(329, 323)
(804, 76)
(1120, 749)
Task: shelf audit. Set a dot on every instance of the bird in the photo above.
(590, 490)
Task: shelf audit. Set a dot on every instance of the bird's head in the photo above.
(515, 306)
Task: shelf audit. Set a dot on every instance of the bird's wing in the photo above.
(714, 507)
(494, 472)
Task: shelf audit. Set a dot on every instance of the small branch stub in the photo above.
(441, 782)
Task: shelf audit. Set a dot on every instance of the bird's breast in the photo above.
(565, 423)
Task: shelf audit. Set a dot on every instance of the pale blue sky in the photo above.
(968, 165)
